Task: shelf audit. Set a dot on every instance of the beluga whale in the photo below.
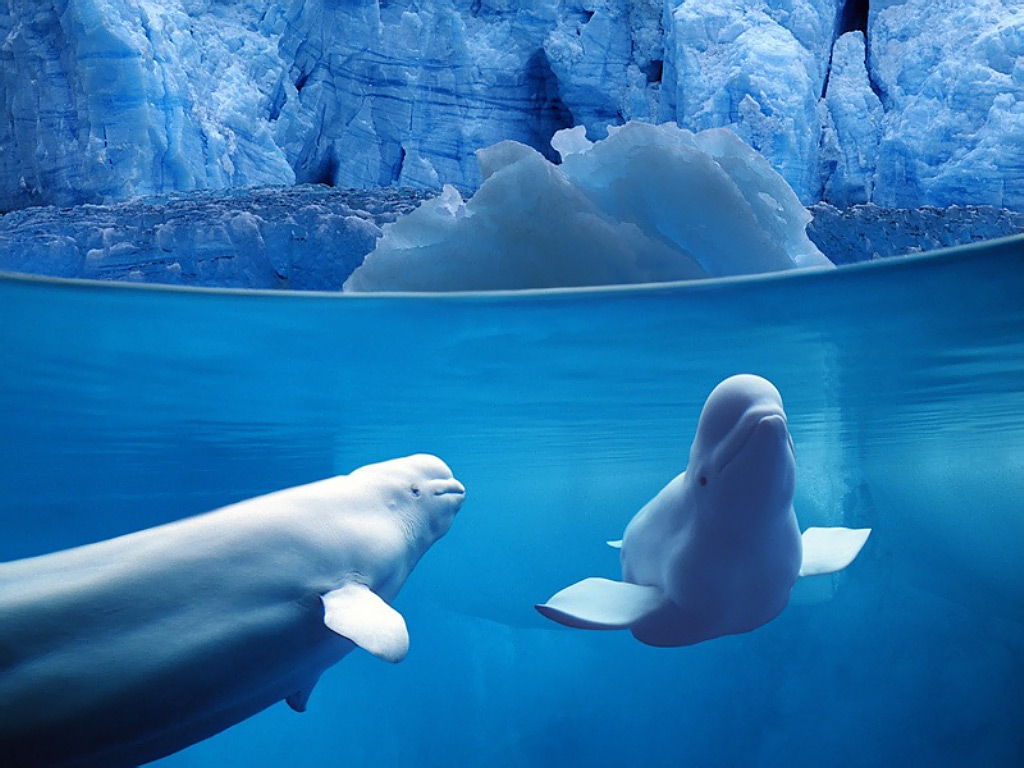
(124, 651)
(717, 551)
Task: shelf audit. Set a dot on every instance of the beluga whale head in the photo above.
(419, 491)
(742, 458)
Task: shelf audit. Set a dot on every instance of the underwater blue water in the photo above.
(123, 407)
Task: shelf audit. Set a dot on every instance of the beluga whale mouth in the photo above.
(450, 488)
(754, 420)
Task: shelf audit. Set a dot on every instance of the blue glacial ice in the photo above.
(647, 204)
(756, 66)
(951, 79)
(101, 100)
(866, 232)
(307, 237)
(852, 116)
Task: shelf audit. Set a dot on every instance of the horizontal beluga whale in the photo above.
(121, 652)
(718, 550)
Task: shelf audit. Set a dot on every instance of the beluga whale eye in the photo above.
(703, 480)
(415, 489)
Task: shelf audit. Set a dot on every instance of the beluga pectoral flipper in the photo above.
(827, 550)
(718, 550)
(601, 604)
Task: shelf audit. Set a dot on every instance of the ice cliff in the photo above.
(899, 103)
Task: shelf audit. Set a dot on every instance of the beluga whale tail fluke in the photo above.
(121, 652)
(717, 551)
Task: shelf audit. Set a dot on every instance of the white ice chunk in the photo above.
(571, 141)
(647, 204)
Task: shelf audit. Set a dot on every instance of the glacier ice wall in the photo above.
(951, 76)
(106, 99)
(919, 103)
(852, 117)
(757, 66)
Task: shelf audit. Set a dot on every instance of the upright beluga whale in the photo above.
(121, 652)
(718, 550)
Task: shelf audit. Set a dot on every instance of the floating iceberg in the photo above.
(647, 204)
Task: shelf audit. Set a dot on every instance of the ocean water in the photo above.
(122, 407)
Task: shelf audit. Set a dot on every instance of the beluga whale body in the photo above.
(121, 652)
(718, 550)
